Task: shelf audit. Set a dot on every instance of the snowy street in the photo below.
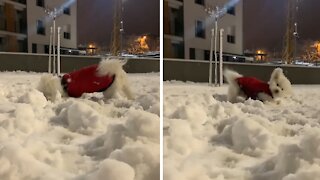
(84, 138)
(207, 138)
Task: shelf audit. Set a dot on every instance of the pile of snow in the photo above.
(208, 138)
(84, 138)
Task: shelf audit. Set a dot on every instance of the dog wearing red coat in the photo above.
(108, 77)
(250, 87)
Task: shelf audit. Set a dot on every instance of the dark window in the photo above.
(34, 48)
(46, 49)
(67, 35)
(206, 54)
(192, 53)
(22, 45)
(200, 32)
(20, 1)
(232, 10)
(201, 2)
(231, 39)
(40, 28)
(66, 10)
(40, 3)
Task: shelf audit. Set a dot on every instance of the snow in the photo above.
(80, 139)
(208, 138)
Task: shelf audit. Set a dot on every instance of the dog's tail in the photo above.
(230, 76)
(50, 86)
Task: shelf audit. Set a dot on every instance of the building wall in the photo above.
(191, 13)
(13, 26)
(228, 20)
(198, 71)
(39, 63)
(35, 13)
(173, 29)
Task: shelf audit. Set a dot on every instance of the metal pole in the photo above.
(295, 34)
(221, 60)
(215, 53)
(58, 48)
(50, 51)
(54, 45)
(211, 57)
(121, 34)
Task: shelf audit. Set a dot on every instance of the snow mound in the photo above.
(112, 169)
(78, 138)
(292, 160)
(35, 98)
(246, 136)
(206, 137)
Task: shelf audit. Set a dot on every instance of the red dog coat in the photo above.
(85, 80)
(252, 86)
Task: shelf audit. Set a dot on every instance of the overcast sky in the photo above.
(264, 22)
(95, 19)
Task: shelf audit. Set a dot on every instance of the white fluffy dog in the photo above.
(250, 87)
(108, 77)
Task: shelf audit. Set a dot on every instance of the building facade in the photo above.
(13, 26)
(25, 25)
(187, 29)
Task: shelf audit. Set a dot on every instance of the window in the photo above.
(66, 10)
(22, 45)
(34, 48)
(206, 54)
(46, 49)
(40, 3)
(200, 32)
(40, 28)
(200, 2)
(192, 53)
(20, 1)
(66, 31)
(232, 11)
(66, 35)
(2, 44)
(231, 39)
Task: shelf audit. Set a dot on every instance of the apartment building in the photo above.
(25, 25)
(187, 29)
(13, 26)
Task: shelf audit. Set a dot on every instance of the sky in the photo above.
(95, 19)
(265, 23)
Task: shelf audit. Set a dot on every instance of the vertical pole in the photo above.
(221, 60)
(121, 36)
(295, 34)
(211, 57)
(50, 52)
(58, 48)
(54, 45)
(215, 52)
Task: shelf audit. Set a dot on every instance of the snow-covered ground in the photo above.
(82, 139)
(207, 138)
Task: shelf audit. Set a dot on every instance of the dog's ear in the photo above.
(276, 73)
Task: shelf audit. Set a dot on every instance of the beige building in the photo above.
(187, 29)
(25, 26)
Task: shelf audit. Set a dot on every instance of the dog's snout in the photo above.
(276, 91)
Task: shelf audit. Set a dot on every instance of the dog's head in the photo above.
(279, 84)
